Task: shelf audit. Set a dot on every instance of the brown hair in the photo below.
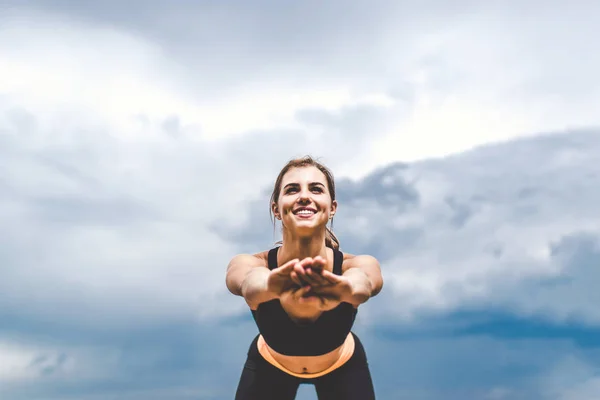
(307, 161)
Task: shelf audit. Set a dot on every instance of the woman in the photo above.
(304, 297)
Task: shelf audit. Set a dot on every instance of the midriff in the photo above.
(310, 365)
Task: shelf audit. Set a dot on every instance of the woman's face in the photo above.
(304, 202)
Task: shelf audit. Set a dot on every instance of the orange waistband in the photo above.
(347, 351)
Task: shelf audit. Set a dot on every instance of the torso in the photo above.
(306, 314)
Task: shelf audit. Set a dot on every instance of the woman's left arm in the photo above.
(364, 276)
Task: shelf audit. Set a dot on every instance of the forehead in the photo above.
(304, 175)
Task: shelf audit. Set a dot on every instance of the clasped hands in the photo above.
(307, 280)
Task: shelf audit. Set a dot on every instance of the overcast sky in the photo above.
(139, 141)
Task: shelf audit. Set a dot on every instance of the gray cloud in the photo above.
(115, 231)
(189, 359)
(386, 186)
(366, 199)
(219, 47)
(258, 41)
(410, 216)
(485, 227)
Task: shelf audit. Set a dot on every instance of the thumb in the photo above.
(286, 268)
(331, 277)
(302, 291)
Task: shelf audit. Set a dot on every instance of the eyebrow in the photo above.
(310, 184)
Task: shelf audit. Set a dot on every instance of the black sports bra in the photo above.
(285, 336)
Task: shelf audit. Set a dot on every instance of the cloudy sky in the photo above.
(139, 141)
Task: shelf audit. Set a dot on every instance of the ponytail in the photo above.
(331, 240)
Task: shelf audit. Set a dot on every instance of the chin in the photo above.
(308, 228)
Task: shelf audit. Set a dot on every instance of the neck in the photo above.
(301, 247)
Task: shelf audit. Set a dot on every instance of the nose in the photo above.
(303, 197)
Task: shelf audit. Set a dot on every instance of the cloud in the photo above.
(138, 149)
(112, 173)
(572, 377)
(175, 359)
(509, 225)
(27, 366)
(438, 68)
(493, 222)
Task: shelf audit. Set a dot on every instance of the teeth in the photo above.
(305, 212)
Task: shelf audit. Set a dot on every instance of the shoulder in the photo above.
(256, 259)
(361, 260)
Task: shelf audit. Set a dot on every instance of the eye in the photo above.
(318, 189)
(290, 190)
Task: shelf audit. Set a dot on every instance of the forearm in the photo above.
(255, 289)
(361, 287)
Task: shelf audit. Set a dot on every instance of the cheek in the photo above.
(326, 205)
(285, 208)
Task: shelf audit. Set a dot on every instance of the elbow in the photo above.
(376, 287)
(233, 285)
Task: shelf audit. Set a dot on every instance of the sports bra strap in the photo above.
(273, 258)
(338, 259)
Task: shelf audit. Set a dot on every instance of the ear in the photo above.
(275, 210)
(334, 205)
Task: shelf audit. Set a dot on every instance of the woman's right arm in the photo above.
(248, 276)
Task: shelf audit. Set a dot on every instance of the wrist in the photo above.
(358, 292)
(271, 289)
(256, 288)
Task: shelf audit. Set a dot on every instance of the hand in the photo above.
(316, 283)
(280, 280)
(306, 297)
(338, 289)
(309, 272)
(324, 297)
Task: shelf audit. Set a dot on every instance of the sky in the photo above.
(139, 142)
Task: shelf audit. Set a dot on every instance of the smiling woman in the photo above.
(304, 296)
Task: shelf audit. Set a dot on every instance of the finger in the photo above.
(287, 267)
(310, 276)
(296, 279)
(319, 263)
(300, 270)
(317, 277)
(302, 292)
(305, 262)
(331, 277)
(309, 297)
(328, 296)
(328, 293)
(323, 297)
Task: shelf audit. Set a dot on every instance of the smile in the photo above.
(305, 212)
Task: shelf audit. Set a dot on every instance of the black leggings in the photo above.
(262, 381)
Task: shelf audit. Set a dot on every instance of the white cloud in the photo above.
(122, 149)
(63, 69)
(452, 79)
(587, 390)
(117, 171)
(15, 362)
(25, 363)
(570, 378)
(501, 226)
(119, 208)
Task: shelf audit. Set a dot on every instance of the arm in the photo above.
(247, 276)
(360, 280)
(364, 274)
